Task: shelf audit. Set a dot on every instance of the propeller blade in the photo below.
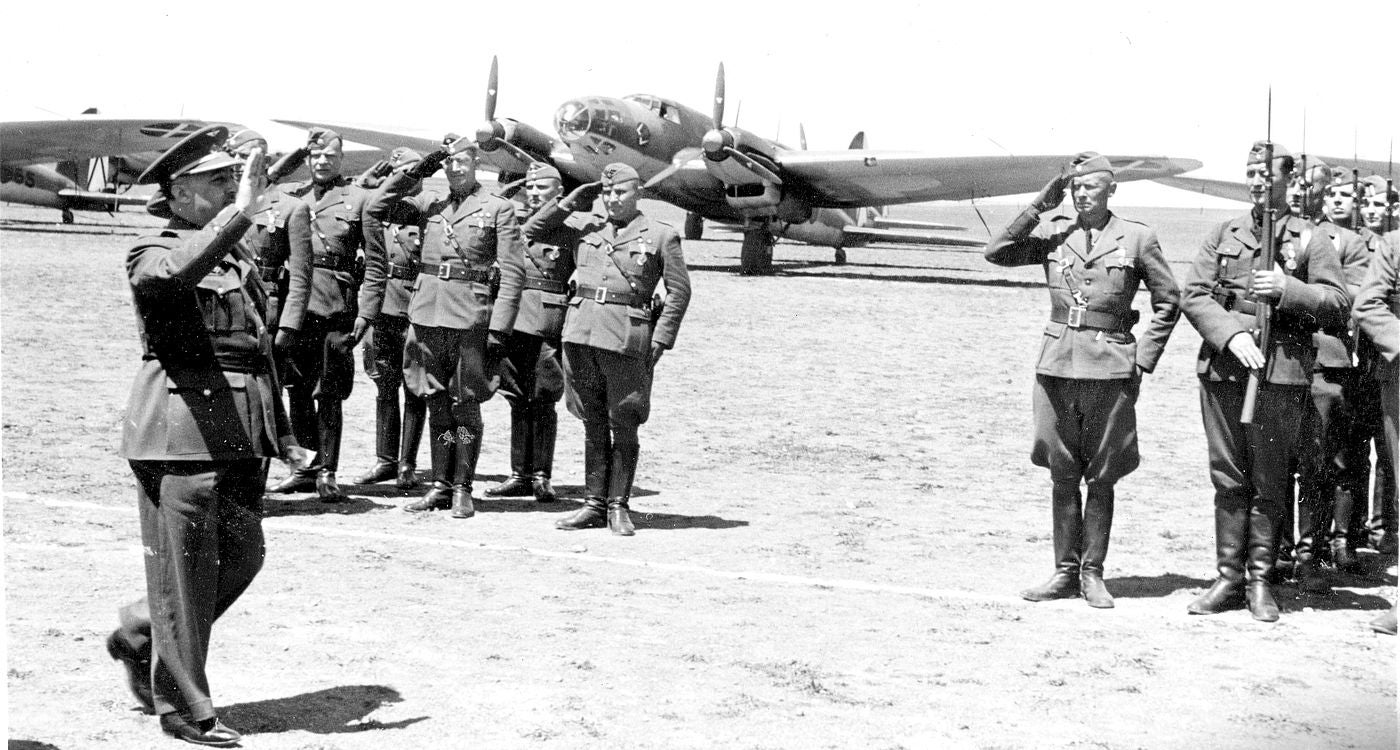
(681, 158)
(719, 98)
(515, 151)
(491, 91)
(753, 165)
(801, 136)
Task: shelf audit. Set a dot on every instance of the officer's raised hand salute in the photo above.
(1090, 367)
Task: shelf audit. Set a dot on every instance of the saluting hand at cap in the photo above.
(252, 186)
(1053, 194)
(582, 197)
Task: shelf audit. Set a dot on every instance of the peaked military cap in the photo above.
(200, 151)
(1089, 162)
(617, 172)
(1256, 152)
(403, 156)
(540, 171)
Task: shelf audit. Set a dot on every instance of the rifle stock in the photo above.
(1263, 310)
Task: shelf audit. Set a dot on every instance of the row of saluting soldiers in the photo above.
(1297, 371)
(454, 304)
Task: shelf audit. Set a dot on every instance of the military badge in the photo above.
(1290, 257)
(641, 260)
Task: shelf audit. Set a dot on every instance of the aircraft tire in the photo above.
(756, 254)
(694, 226)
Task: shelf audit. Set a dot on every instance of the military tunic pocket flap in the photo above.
(637, 314)
(1119, 260)
(205, 382)
(221, 283)
(1054, 330)
(552, 299)
(1229, 251)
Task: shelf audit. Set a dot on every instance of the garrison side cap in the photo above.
(1089, 162)
(617, 173)
(1256, 152)
(200, 151)
(403, 156)
(243, 141)
(540, 171)
(1373, 185)
(321, 138)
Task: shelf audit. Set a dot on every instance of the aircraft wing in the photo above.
(904, 237)
(849, 179)
(1235, 191)
(24, 142)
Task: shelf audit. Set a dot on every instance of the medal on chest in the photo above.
(1290, 256)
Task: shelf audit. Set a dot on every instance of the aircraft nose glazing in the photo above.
(572, 120)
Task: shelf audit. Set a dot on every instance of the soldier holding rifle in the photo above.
(1091, 366)
(1263, 274)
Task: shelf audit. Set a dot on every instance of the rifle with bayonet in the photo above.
(1263, 308)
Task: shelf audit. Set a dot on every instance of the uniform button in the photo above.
(208, 392)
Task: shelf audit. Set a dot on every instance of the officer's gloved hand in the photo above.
(428, 165)
(284, 339)
(495, 345)
(656, 351)
(287, 165)
(362, 327)
(371, 177)
(582, 197)
(1053, 194)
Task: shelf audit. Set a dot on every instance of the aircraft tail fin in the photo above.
(858, 142)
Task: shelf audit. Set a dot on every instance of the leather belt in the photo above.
(1082, 317)
(605, 296)
(332, 262)
(270, 273)
(1232, 301)
(402, 271)
(546, 285)
(453, 272)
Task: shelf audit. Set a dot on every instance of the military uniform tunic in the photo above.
(533, 371)
(1087, 375)
(1377, 314)
(1251, 466)
(203, 414)
(280, 240)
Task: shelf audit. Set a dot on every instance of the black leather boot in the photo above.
(593, 515)
(597, 459)
(518, 484)
(543, 431)
(442, 443)
(624, 468)
(1263, 541)
(386, 439)
(328, 418)
(1231, 528)
(415, 411)
(469, 429)
(1067, 526)
(1098, 523)
(1385, 622)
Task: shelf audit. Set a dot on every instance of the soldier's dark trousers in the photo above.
(1324, 461)
(201, 526)
(532, 381)
(447, 367)
(396, 441)
(1251, 469)
(1085, 428)
(1376, 502)
(611, 393)
(322, 374)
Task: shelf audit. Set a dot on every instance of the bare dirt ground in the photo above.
(835, 510)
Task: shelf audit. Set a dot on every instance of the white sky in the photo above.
(1183, 79)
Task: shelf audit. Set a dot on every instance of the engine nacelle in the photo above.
(764, 200)
(811, 232)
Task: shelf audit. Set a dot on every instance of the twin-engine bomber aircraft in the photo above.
(733, 176)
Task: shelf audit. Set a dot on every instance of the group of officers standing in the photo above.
(251, 287)
(1298, 407)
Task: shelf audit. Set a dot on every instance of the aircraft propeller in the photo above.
(682, 157)
(492, 134)
(718, 144)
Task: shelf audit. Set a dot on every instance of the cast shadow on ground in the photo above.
(301, 504)
(328, 711)
(31, 745)
(1153, 587)
(1291, 599)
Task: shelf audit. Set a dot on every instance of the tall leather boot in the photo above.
(1263, 540)
(386, 439)
(301, 412)
(1343, 551)
(1098, 523)
(624, 468)
(469, 431)
(597, 461)
(1314, 518)
(1231, 528)
(328, 418)
(518, 484)
(543, 430)
(1067, 528)
(442, 445)
(415, 412)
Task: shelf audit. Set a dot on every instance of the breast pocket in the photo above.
(481, 241)
(222, 303)
(638, 342)
(1120, 275)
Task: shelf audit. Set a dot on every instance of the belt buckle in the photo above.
(600, 295)
(1076, 317)
(444, 271)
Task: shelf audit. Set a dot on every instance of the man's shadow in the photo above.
(1153, 587)
(328, 711)
(301, 504)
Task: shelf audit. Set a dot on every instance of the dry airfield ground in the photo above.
(835, 512)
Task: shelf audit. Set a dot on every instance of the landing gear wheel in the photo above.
(840, 256)
(67, 216)
(694, 226)
(756, 255)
